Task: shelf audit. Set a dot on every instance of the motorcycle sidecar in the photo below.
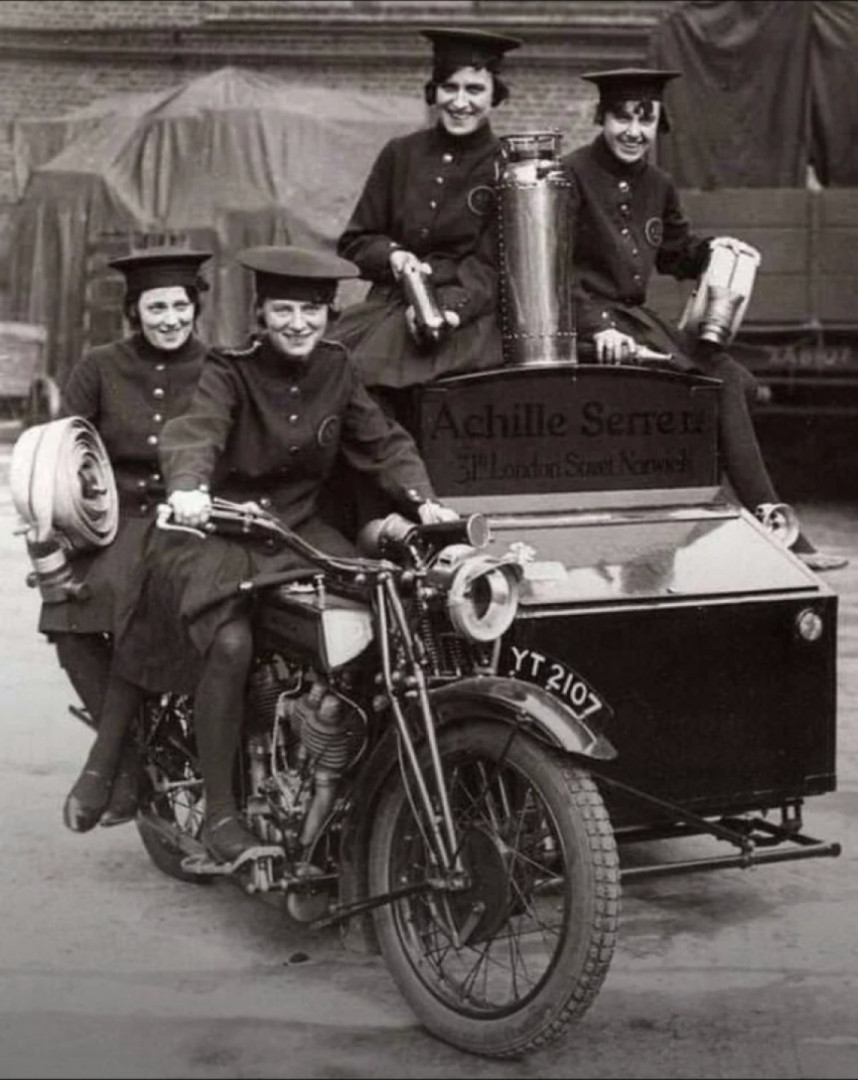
(656, 606)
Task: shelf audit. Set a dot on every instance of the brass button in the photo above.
(265, 503)
(160, 367)
(141, 484)
(294, 391)
(447, 158)
(158, 418)
(623, 185)
(439, 179)
(293, 419)
(293, 449)
(625, 232)
(433, 204)
(158, 392)
(156, 476)
(152, 440)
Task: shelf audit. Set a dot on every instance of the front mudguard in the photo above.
(515, 702)
(510, 701)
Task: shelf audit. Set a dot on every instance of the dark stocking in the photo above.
(85, 658)
(218, 710)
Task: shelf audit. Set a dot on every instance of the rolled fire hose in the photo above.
(63, 486)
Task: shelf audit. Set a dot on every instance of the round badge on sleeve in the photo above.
(481, 200)
(329, 431)
(654, 231)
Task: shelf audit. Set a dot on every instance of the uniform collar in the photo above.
(147, 351)
(274, 360)
(483, 136)
(612, 164)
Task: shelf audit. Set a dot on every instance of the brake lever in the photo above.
(162, 521)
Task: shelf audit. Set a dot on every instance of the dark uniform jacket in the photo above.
(128, 390)
(628, 222)
(432, 193)
(266, 428)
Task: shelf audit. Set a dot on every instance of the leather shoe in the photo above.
(820, 561)
(86, 801)
(226, 838)
(123, 802)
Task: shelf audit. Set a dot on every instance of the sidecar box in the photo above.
(707, 648)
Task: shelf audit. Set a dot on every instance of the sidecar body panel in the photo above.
(713, 645)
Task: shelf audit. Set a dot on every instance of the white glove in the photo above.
(191, 507)
(615, 347)
(400, 258)
(433, 513)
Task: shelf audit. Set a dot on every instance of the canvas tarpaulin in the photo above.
(769, 87)
(231, 159)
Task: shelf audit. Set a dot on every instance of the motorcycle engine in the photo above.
(307, 734)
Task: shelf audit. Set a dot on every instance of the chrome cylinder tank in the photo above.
(535, 247)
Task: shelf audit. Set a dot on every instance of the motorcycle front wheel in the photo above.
(505, 966)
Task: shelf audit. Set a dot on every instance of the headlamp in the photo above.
(780, 520)
(481, 591)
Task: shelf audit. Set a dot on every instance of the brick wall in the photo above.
(58, 55)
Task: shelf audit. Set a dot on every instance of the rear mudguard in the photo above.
(488, 697)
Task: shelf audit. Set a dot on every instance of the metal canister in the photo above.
(535, 247)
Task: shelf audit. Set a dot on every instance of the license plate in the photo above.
(557, 678)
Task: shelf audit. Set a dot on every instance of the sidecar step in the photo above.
(806, 848)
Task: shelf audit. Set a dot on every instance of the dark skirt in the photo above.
(114, 577)
(377, 336)
(190, 591)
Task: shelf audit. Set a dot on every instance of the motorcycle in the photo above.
(399, 785)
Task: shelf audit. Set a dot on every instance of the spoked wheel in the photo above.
(505, 966)
(173, 806)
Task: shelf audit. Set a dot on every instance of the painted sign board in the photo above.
(565, 428)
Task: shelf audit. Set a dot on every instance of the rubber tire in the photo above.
(586, 839)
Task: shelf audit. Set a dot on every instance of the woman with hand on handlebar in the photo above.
(127, 390)
(266, 425)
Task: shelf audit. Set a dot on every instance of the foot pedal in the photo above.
(203, 863)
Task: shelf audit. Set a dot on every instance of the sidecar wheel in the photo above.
(540, 914)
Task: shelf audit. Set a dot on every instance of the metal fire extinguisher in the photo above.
(534, 199)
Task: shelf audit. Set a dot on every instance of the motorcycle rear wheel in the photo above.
(173, 800)
(540, 915)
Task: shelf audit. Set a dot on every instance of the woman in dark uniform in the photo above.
(127, 389)
(428, 203)
(629, 222)
(265, 425)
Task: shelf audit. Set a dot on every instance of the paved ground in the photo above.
(107, 968)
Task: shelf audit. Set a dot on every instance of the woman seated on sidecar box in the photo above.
(265, 425)
(128, 390)
(427, 206)
(627, 222)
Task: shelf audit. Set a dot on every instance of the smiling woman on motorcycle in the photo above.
(127, 389)
(266, 425)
